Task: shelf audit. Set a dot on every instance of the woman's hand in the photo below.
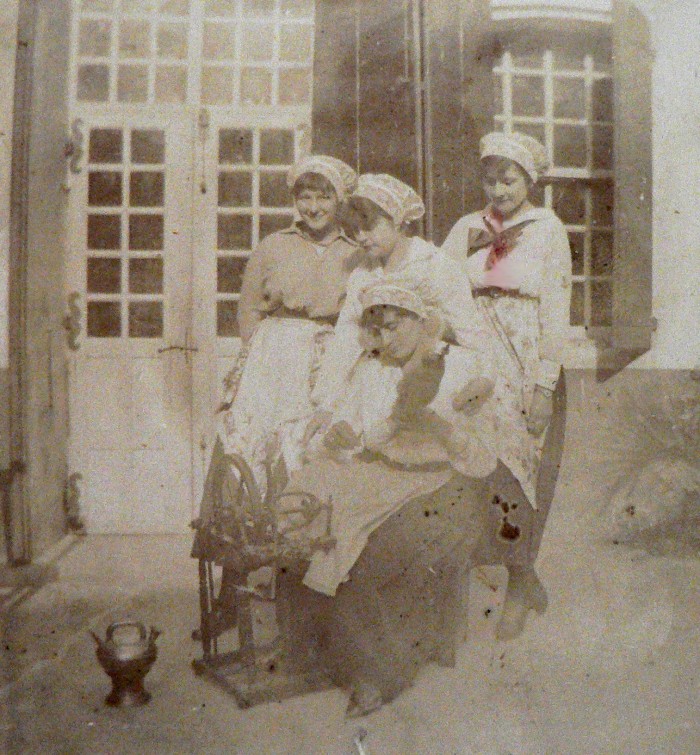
(318, 423)
(341, 437)
(541, 410)
(473, 396)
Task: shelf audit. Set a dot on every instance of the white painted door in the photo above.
(131, 377)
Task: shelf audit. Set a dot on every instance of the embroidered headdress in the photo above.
(340, 175)
(388, 294)
(400, 202)
(522, 149)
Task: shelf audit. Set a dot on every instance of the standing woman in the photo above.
(380, 211)
(518, 261)
(293, 289)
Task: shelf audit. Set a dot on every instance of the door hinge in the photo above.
(71, 504)
(71, 322)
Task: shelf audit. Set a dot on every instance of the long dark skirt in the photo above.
(388, 619)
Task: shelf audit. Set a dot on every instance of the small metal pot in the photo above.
(126, 655)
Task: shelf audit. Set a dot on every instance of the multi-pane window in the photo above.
(253, 201)
(125, 233)
(215, 52)
(563, 97)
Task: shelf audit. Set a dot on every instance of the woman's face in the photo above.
(317, 209)
(378, 242)
(506, 185)
(393, 333)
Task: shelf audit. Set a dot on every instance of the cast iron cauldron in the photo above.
(126, 655)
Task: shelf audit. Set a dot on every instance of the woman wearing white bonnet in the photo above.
(517, 259)
(292, 291)
(380, 213)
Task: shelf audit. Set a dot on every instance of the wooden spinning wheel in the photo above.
(243, 531)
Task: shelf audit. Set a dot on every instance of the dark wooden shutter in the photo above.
(632, 273)
(365, 107)
(461, 49)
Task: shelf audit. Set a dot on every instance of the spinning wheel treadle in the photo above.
(242, 531)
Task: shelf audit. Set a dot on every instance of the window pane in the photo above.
(146, 189)
(104, 188)
(132, 84)
(104, 232)
(148, 147)
(273, 190)
(96, 6)
(171, 84)
(527, 58)
(93, 83)
(262, 8)
(229, 274)
(295, 87)
(569, 203)
(172, 40)
(95, 37)
(276, 147)
(104, 275)
(134, 39)
(528, 95)
(235, 146)
(577, 297)
(146, 275)
(219, 41)
(602, 100)
(104, 319)
(256, 86)
(234, 232)
(227, 319)
(603, 147)
(601, 253)
(217, 86)
(145, 319)
(174, 7)
(235, 189)
(570, 146)
(257, 41)
(295, 43)
(105, 145)
(601, 303)
(576, 242)
(535, 130)
(271, 223)
(221, 8)
(569, 98)
(146, 232)
(297, 8)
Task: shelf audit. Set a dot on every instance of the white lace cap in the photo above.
(341, 176)
(400, 202)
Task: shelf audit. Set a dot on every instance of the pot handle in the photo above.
(120, 624)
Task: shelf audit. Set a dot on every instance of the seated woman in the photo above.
(404, 462)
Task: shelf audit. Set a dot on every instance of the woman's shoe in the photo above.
(365, 698)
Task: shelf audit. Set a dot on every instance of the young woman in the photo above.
(381, 209)
(293, 288)
(404, 462)
(518, 261)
